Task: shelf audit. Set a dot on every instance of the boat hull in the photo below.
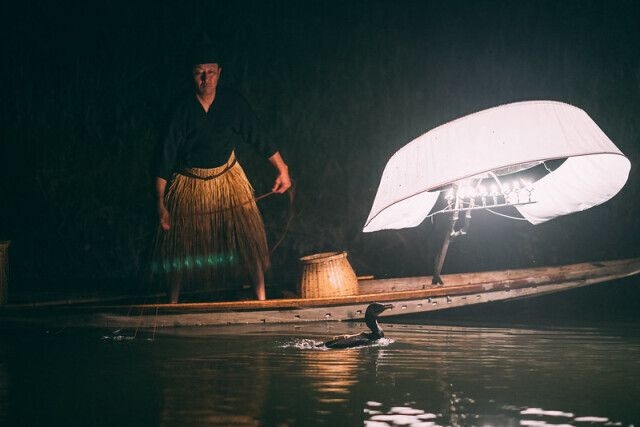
(409, 295)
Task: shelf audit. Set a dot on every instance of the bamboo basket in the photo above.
(327, 274)
(4, 254)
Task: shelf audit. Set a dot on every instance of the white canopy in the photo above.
(505, 136)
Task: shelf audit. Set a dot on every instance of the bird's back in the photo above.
(347, 341)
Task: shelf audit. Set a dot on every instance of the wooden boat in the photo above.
(409, 295)
(462, 157)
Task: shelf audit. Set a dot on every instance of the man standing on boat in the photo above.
(209, 225)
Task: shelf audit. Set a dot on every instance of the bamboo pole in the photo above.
(439, 259)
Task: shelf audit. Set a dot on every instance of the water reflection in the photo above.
(208, 389)
(330, 373)
(276, 376)
(495, 376)
(410, 416)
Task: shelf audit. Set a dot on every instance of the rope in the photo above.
(291, 192)
(292, 195)
(227, 168)
(246, 202)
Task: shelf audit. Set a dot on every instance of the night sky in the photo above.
(338, 85)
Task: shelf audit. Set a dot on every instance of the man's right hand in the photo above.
(163, 216)
(163, 213)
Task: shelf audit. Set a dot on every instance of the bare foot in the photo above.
(174, 295)
(260, 294)
(258, 283)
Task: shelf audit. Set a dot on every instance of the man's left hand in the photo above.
(282, 184)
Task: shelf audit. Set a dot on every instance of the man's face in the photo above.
(205, 77)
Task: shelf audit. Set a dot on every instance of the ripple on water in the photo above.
(542, 412)
(552, 417)
(310, 344)
(398, 416)
(405, 410)
(415, 417)
(118, 337)
(304, 344)
(591, 419)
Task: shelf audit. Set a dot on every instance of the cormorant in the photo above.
(363, 338)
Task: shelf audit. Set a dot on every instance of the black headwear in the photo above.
(203, 52)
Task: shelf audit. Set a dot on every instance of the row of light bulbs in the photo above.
(516, 192)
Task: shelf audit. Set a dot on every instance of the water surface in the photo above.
(421, 375)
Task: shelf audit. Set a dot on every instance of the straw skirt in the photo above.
(216, 233)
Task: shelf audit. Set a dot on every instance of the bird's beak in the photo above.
(388, 306)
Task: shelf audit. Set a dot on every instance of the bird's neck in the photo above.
(375, 328)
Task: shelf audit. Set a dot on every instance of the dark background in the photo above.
(339, 85)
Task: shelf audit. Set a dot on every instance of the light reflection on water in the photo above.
(419, 375)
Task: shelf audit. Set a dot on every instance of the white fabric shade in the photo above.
(489, 140)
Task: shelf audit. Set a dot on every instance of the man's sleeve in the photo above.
(166, 154)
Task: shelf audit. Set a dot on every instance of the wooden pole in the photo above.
(439, 260)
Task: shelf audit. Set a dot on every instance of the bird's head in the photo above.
(374, 309)
(371, 317)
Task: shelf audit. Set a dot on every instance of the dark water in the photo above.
(420, 375)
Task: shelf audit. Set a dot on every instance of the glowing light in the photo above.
(522, 134)
(449, 196)
(517, 192)
(483, 194)
(188, 262)
(462, 192)
(472, 192)
(192, 263)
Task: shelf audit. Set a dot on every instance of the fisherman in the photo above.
(210, 227)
